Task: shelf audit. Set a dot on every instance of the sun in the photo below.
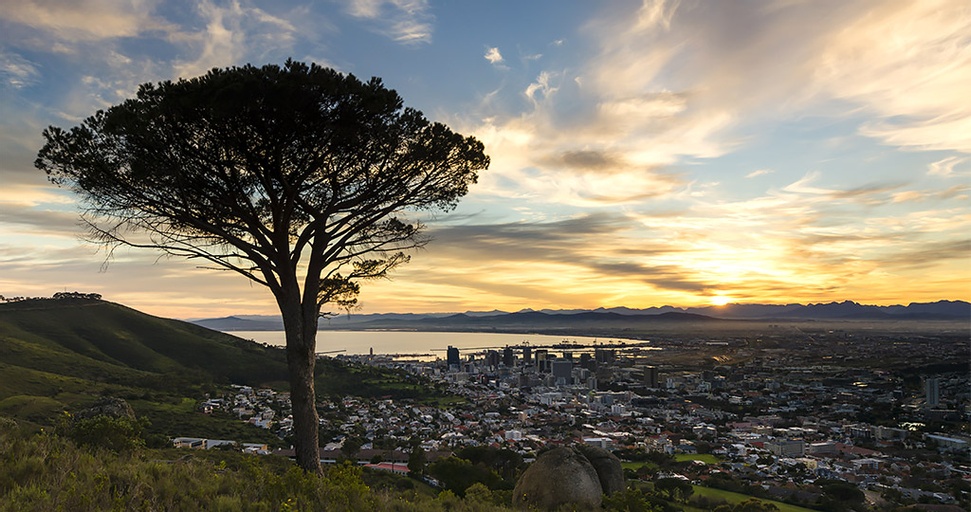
(720, 300)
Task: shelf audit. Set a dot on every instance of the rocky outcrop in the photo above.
(107, 406)
(569, 477)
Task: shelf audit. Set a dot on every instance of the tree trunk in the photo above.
(301, 335)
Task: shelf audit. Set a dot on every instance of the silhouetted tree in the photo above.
(297, 177)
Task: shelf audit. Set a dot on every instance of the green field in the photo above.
(734, 497)
(707, 458)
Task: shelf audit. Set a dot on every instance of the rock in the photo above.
(107, 406)
(608, 467)
(572, 477)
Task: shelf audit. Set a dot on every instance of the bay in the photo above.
(424, 343)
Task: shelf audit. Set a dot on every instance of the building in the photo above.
(452, 357)
(651, 377)
(492, 359)
(786, 447)
(932, 392)
(542, 360)
(562, 372)
(508, 358)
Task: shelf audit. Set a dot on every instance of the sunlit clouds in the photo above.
(642, 153)
(404, 21)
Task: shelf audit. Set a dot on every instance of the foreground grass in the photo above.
(44, 472)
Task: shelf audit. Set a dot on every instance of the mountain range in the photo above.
(944, 310)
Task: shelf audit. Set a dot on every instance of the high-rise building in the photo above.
(650, 377)
(492, 359)
(542, 360)
(452, 358)
(587, 361)
(508, 358)
(604, 355)
(932, 392)
(563, 372)
(527, 356)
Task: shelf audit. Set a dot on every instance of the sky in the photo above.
(683, 153)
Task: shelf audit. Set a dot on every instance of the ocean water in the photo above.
(424, 343)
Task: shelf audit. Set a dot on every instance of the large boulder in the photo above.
(567, 477)
(608, 466)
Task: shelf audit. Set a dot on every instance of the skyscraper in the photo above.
(932, 392)
(562, 372)
(452, 358)
(650, 377)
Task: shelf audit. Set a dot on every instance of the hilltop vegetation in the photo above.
(62, 354)
(44, 471)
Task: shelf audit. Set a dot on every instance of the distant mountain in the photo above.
(237, 323)
(539, 321)
(614, 317)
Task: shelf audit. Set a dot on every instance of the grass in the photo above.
(637, 465)
(707, 458)
(734, 497)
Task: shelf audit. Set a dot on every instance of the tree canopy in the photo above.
(298, 177)
(256, 169)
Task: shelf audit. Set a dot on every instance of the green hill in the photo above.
(61, 354)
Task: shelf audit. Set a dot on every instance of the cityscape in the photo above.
(887, 412)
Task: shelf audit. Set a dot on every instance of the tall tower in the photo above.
(508, 358)
(932, 392)
(452, 358)
(650, 377)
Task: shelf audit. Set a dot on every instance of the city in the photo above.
(770, 414)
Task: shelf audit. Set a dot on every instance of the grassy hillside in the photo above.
(108, 342)
(62, 354)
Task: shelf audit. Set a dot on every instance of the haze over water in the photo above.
(411, 342)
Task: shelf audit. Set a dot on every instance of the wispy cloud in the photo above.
(17, 71)
(945, 167)
(405, 21)
(231, 33)
(88, 20)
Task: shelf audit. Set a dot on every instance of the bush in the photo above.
(118, 434)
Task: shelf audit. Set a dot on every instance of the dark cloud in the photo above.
(929, 254)
(46, 222)
(587, 159)
(595, 242)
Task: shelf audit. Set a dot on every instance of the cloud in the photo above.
(16, 71)
(403, 21)
(88, 20)
(493, 56)
(908, 63)
(945, 167)
(231, 33)
(670, 83)
(759, 172)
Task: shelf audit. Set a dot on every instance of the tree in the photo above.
(299, 178)
(417, 460)
(676, 489)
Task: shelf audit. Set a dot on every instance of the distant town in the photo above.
(767, 413)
